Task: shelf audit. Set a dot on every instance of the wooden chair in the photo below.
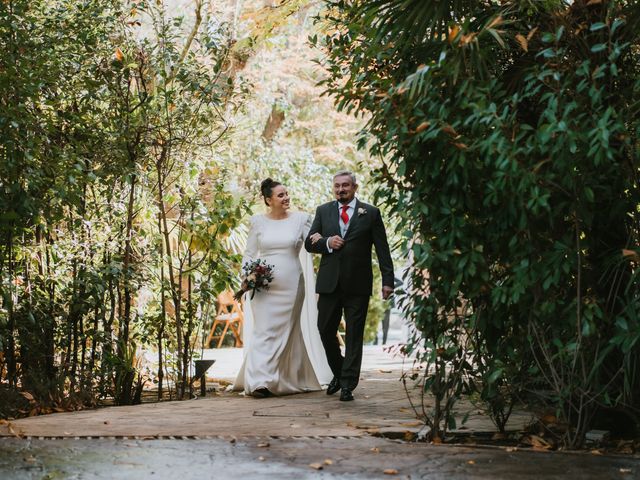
(228, 316)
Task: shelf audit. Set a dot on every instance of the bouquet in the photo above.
(257, 275)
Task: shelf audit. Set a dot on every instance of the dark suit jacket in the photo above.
(350, 267)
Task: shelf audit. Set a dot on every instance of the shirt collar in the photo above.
(352, 204)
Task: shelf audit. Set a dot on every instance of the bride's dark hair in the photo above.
(266, 188)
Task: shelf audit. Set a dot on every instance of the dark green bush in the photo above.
(509, 132)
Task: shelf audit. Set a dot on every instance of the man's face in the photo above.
(344, 189)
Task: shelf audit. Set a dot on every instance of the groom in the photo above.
(344, 232)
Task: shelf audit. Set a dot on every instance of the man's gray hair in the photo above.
(343, 173)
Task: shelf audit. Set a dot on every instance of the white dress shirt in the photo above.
(344, 226)
(352, 208)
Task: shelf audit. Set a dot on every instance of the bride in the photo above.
(283, 350)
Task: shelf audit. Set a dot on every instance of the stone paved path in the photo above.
(381, 403)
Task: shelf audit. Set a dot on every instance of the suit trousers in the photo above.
(330, 309)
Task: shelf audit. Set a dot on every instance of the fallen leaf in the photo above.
(511, 449)
(436, 440)
(363, 426)
(524, 44)
(390, 471)
(317, 466)
(549, 419)
(539, 442)
(625, 470)
(423, 126)
(30, 459)
(626, 449)
(471, 462)
(596, 452)
(460, 146)
(453, 33)
(498, 436)
(328, 461)
(119, 55)
(28, 396)
(450, 131)
(409, 436)
(13, 432)
(412, 424)
(531, 34)
(263, 445)
(375, 450)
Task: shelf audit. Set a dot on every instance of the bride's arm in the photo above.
(251, 250)
(250, 254)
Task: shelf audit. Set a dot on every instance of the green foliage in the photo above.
(311, 140)
(112, 209)
(510, 141)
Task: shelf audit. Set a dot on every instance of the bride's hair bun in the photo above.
(266, 188)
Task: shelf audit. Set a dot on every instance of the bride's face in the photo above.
(279, 198)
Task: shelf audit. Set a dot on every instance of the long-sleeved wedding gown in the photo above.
(283, 350)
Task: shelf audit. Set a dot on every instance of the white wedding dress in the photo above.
(282, 347)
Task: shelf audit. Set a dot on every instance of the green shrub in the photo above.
(509, 133)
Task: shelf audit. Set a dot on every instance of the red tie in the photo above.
(343, 215)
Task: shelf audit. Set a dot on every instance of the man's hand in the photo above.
(314, 238)
(386, 292)
(336, 242)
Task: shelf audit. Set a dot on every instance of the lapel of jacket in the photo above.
(335, 218)
(354, 219)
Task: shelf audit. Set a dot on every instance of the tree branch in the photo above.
(187, 45)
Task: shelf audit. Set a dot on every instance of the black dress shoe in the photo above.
(346, 395)
(261, 392)
(333, 387)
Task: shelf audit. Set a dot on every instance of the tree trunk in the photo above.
(276, 118)
(173, 286)
(163, 314)
(10, 349)
(125, 321)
